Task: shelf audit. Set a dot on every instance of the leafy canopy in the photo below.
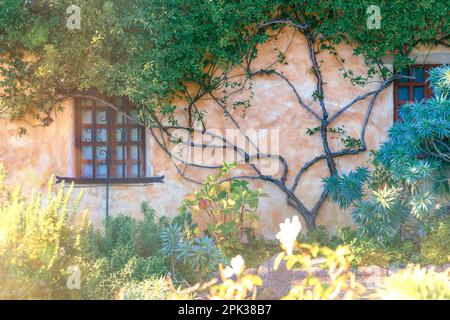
(150, 50)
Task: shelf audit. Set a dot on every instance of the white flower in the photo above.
(289, 231)
(237, 266)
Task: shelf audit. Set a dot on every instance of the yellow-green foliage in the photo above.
(342, 282)
(152, 289)
(40, 244)
(243, 286)
(435, 248)
(228, 207)
(415, 283)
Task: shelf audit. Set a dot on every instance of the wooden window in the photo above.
(108, 144)
(416, 88)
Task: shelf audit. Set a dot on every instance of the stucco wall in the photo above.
(33, 158)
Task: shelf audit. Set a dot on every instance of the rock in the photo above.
(250, 271)
(392, 270)
(371, 271)
(319, 272)
(276, 284)
(443, 268)
(300, 275)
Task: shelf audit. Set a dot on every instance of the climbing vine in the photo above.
(155, 51)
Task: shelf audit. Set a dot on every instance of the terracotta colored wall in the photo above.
(32, 159)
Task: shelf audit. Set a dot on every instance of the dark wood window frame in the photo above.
(114, 131)
(411, 84)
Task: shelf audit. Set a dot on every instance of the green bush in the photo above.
(320, 236)
(256, 252)
(191, 258)
(366, 252)
(435, 248)
(229, 207)
(107, 277)
(137, 237)
(151, 289)
(414, 155)
(126, 252)
(41, 246)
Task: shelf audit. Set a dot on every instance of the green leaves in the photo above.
(152, 50)
(228, 206)
(382, 216)
(421, 205)
(346, 189)
(416, 152)
(419, 145)
(171, 237)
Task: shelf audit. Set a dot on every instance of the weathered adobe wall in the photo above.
(32, 159)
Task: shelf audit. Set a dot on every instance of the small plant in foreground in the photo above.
(416, 284)
(341, 283)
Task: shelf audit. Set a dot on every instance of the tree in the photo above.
(153, 51)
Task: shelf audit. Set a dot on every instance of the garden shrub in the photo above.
(191, 258)
(415, 283)
(107, 277)
(41, 246)
(256, 252)
(415, 155)
(140, 237)
(368, 251)
(320, 236)
(435, 248)
(127, 252)
(229, 207)
(152, 289)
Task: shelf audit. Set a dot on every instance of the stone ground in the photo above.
(278, 283)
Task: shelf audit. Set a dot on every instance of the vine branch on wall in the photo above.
(163, 135)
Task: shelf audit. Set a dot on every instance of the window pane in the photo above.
(101, 117)
(134, 171)
(86, 152)
(119, 171)
(101, 153)
(134, 153)
(403, 93)
(121, 153)
(87, 170)
(419, 93)
(101, 135)
(86, 135)
(419, 75)
(121, 135)
(101, 171)
(404, 72)
(86, 116)
(96, 144)
(134, 134)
